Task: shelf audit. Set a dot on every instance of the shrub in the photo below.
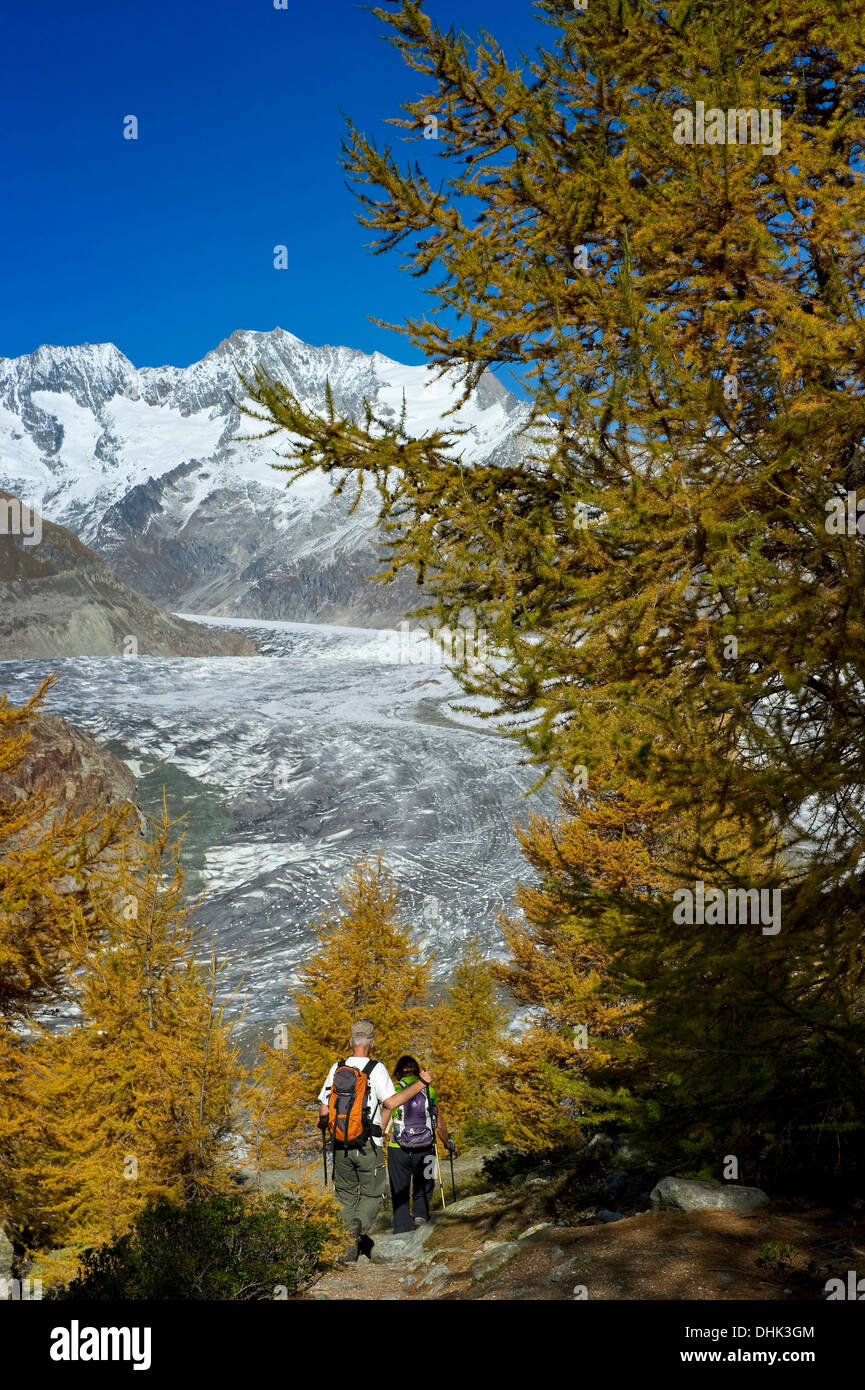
(224, 1247)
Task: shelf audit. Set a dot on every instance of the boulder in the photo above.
(690, 1194)
(493, 1259)
(434, 1276)
(533, 1230)
(423, 1271)
(388, 1249)
(466, 1203)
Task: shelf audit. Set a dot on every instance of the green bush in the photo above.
(227, 1248)
(776, 1257)
(783, 1261)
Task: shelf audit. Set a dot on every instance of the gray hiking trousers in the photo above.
(359, 1178)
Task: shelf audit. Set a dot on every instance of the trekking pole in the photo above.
(453, 1180)
(439, 1167)
(324, 1154)
(384, 1147)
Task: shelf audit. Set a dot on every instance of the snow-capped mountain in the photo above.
(146, 466)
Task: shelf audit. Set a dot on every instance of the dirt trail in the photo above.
(706, 1255)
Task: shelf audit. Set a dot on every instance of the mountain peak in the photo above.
(150, 468)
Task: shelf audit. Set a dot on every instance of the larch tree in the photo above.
(134, 1102)
(656, 222)
(713, 1039)
(47, 861)
(578, 1063)
(752, 1016)
(467, 1044)
(681, 301)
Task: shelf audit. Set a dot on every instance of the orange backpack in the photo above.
(348, 1106)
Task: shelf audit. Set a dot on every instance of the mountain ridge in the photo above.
(145, 465)
(60, 599)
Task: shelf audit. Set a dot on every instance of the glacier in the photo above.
(326, 747)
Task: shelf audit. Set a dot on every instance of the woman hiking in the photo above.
(411, 1160)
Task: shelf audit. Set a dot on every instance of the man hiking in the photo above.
(411, 1155)
(354, 1100)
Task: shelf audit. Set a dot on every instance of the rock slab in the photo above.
(493, 1260)
(389, 1249)
(466, 1203)
(690, 1194)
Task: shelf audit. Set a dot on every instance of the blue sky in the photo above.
(164, 244)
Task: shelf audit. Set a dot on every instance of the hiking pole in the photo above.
(388, 1196)
(439, 1167)
(453, 1180)
(324, 1154)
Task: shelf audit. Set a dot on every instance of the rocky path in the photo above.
(500, 1245)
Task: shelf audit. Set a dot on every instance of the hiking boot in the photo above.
(364, 1246)
(421, 1221)
(351, 1254)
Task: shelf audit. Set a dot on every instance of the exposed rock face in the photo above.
(59, 599)
(71, 768)
(149, 467)
(687, 1194)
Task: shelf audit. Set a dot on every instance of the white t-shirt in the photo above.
(381, 1087)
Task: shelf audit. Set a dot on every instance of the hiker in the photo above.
(356, 1098)
(411, 1153)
